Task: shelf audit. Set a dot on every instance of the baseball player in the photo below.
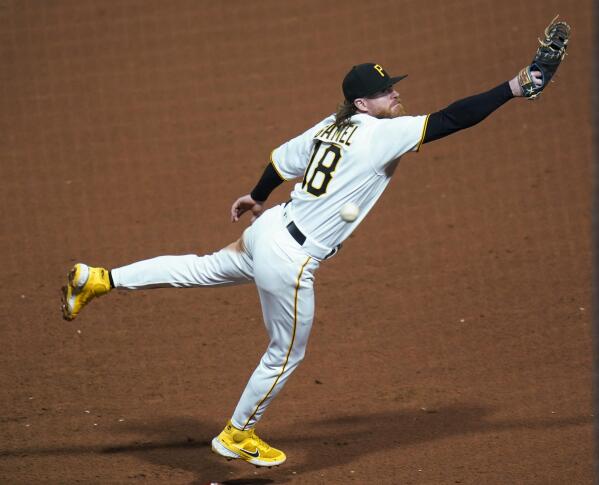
(348, 157)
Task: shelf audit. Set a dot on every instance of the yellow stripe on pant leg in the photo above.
(297, 285)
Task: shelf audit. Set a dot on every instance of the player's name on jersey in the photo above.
(334, 134)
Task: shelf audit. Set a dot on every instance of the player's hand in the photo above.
(246, 203)
(537, 78)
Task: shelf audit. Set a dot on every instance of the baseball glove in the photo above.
(547, 59)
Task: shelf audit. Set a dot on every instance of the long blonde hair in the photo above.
(345, 111)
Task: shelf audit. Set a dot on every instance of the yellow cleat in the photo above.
(234, 443)
(84, 283)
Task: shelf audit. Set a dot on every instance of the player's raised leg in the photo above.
(231, 265)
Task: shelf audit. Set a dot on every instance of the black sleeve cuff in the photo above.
(269, 181)
(466, 112)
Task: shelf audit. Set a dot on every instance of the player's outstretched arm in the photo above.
(529, 83)
(469, 111)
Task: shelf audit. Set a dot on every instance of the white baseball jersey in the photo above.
(351, 164)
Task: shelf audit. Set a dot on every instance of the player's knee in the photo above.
(295, 358)
(274, 359)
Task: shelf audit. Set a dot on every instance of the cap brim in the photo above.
(396, 79)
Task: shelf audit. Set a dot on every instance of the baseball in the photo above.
(349, 212)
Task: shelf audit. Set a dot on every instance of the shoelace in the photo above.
(260, 442)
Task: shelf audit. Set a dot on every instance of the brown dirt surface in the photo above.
(452, 339)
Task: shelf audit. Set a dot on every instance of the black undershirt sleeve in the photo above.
(269, 181)
(466, 112)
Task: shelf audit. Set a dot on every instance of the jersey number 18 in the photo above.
(322, 174)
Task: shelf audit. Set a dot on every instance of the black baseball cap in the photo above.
(367, 79)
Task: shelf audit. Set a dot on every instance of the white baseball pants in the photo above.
(284, 275)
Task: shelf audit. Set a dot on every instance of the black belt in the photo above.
(301, 239)
(296, 233)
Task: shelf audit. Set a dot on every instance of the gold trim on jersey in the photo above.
(297, 285)
(274, 165)
(423, 133)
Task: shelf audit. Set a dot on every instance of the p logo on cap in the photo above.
(380, 69)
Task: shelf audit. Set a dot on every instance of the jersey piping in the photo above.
(274, 165)
(297, 285)
(423, 133)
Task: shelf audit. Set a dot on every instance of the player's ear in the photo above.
(360, 104)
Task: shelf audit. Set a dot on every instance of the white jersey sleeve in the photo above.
(391, 138)
(291, 158)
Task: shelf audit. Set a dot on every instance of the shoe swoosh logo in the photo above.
(255, 453)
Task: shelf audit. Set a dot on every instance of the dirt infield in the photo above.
(452, 339)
